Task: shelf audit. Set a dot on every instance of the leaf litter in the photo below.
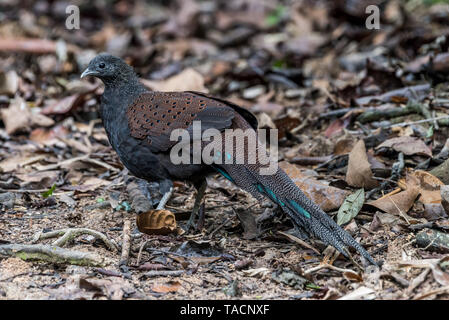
(363, 122)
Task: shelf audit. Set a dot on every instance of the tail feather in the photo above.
(280, 189)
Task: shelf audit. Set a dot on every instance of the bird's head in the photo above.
(109, 69)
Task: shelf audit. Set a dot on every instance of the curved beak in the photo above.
(87, 72)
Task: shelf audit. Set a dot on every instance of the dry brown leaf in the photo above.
(64, 105)
(399, 203)
(15, 162)
(48, 137)
(428, 184)
(39, 179)
(9, 82)
(187, 80)
(407, 145)
(156, 222)
(91, 184)
(171, 286)
(17, 116)
(359, 172)
(433, 264)
(327, 197)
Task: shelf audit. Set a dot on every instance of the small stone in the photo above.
(253, 92)
(7, 200)
(295, 93)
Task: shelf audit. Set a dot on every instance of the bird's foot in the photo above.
(191, 223)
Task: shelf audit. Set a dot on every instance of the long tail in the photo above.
(305, 214)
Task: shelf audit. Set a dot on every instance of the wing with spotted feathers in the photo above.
(153, 115)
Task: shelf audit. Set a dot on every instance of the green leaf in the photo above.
(49, 192)
(126, 206)
(311, 285)
(280, 64)
(275, 16)
(351, 207)
(429, 133)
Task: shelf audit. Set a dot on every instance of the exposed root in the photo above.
(69, 234)
(50, 253)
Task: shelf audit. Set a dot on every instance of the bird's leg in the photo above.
(164, 199)
(201, 217)
(201, 188)
(166, 187)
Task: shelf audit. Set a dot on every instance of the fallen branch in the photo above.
(50, 253)
(32, 45)
(164, 273)
(67, 235)
(379, 114)
(433, 239)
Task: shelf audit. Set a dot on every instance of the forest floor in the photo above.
(363, 120)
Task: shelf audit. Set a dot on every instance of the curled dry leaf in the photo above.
(399, 203)
(156, 222)
(187, 80)
(408, 145)
(327, 197)
(359, 172)
(428, 184)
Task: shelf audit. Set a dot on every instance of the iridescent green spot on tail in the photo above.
(299, 208)
(261, 189)
(227, 176)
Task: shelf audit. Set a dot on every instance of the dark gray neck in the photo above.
(117, 96)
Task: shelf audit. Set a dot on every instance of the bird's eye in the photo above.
(102, 65)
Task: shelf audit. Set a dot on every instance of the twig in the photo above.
(327, 266)
(142, 247)
(126, 245)
(299, 241)
(432, 292)
(219, 227)
(400, 211)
